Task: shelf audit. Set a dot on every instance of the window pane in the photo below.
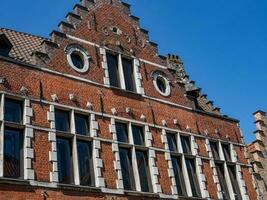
(143, 170)
(85, 163)
(186, 144)
(190, 165)
(127, 169)
(221, 176)
(128, 72)
(62, 120)
(214, 149)
(138, 135)
(13, 153)
(226, 152)
(13, 110)
(232, 174)
(172, 142)
(64, 160)
(113, 70)
(177, 168)
(81, 124)
(122, 132)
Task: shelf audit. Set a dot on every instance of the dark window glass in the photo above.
(185, 141)
(232, 174)
(113, 70)
(122, 132)
(13, 110)
(128, 72)
(177, 168)
(127, 169)
(13, 153)
(226, 152)
(64, 161)
(221, 176)
(77, 60)
(81, 124)
(85, 163)
(143, 170)
(190, 165)
(172, 142)
(161, 84)
(214, 149)
(138, 135)
(62, 120)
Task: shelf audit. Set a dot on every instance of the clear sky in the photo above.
(223, 43)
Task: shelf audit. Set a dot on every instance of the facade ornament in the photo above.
(54, 97)
(72, 97)
(128, 110)
(89, 105)
(175, 121)
(24, 90)
(143, 117)
(164, 122)
(114, 111)
(188, 128)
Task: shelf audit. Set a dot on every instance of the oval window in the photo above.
(78, 58)
(161, 83)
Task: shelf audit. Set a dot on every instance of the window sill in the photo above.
(78, 187)
(124, 90)
(143, 194)
(12, 181)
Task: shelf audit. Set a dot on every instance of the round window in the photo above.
(161, 83)
(78, 58)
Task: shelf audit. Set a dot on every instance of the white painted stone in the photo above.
(29, 132)
(52, 156)
(52, 137)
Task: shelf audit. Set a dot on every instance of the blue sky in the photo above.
(223, 43)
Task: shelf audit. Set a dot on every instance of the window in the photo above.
(81, 124)
(178, 173)
(64, 160)
(85, 160)
(62, 119)
(143, 170)
(133, 148)
(138, 135)
(121, 72)
(232, 174)
(128, 72)
(13, 153)
(221, 176)
(122, 132)
(113, 70)
(172, 142)
(185, 141)
(127, 169)
(161, 83)
(214, 149)
(13, 111)
(226, 152)
(78, 58)
(191, 169)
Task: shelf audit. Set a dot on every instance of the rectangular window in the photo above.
(214, 149)
(232, 174)
(13, 153)
(113, 70)
(138, 135)
(191, 169)
(221, 176)
(64, 161)
(171, 138)
(82, 124)
(185, 141)
(143, 170)
(127, 169)
(179, 178)
(226, 152)
(13, 111)
(62, 120)
(122, 132)
(128, 72)
(85, 161)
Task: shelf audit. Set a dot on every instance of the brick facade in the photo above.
(45, 81)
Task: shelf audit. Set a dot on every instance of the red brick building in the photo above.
(93, 112)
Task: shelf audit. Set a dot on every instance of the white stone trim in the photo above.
(2, 102)
(98, 164)
(157, 75)
(28, 135)
(138, 77)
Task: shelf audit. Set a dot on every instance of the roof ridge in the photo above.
(24, 33)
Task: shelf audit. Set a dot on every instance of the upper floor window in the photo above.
(161, 83)
(215, 151)
(62, 119)
(13, 110)
(121, 72)
(226, 152)
(185, 141)
(122, 132)
(138, 135)
(82, 124)
(172, 142)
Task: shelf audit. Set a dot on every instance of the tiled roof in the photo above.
(23, 44)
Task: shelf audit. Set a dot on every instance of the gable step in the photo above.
(126, 8)
(66, 27)
(57, 36)
(40, 58)
(73, 18)
(80, 10)
(49, 46)
(87, 3)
